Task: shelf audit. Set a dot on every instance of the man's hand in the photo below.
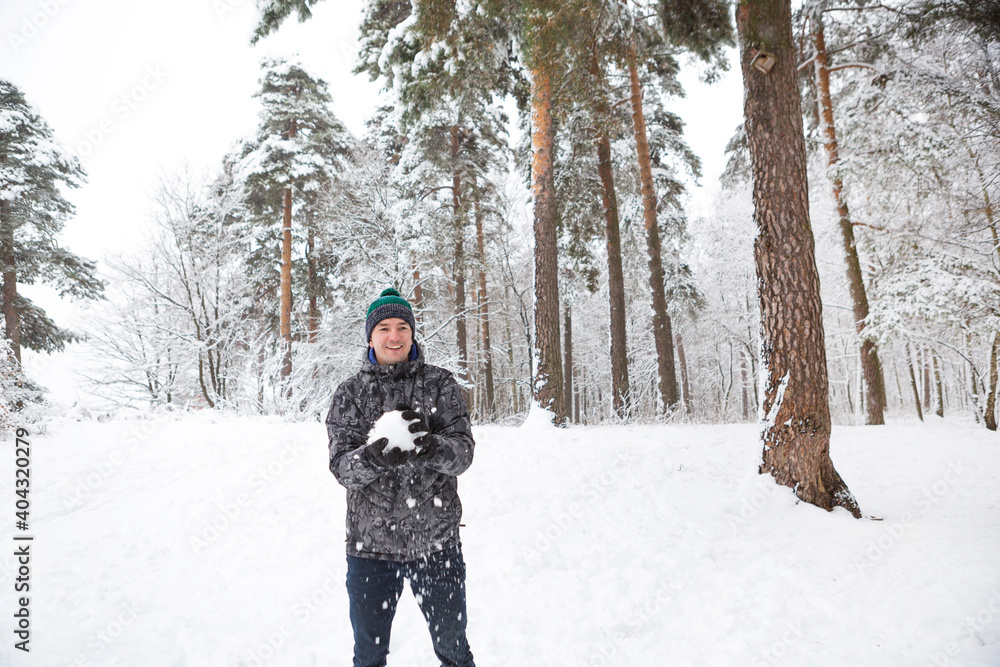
(386, 459)
(424, 445)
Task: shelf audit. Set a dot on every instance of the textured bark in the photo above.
(576, 398)
(685, 386)
(484, 308)
(568, 366)
(458, 217)
(511, 365)
(990, 417)
(548, 379)
(620, 391)
(260, 375)
(285, 317)
(871, 367)
(662, 334)
(913, 382)
(796, 428)
(744, 387)
(938, 385)
(418, 292)
(515, 403)
(312, 286)
(991, 395)
(926, 363)
(973, 381)
(285, 305)
(8, 264)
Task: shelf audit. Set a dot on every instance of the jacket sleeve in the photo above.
(345, 424)
(451, 428)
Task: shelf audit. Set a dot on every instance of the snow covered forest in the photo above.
(526, 191)
(656, 386)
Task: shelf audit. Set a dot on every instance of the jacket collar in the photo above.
(403, 369)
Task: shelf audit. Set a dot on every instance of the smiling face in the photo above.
(391, 339)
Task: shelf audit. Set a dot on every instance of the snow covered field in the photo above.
(207, 540)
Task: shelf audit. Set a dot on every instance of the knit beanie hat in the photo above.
(390, 304)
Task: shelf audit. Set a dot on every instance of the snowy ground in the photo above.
(216, 541)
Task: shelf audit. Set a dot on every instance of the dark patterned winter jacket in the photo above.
(412, 510)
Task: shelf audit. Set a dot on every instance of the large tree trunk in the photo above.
(990, 416)
(285, 315)
(462, 336)
(261, 357)
(974, 381)
(620, 391)
(8, 264)
(548, 381)
(515, 404)
(568, 366)
(685, 385)
(662, 334)
(484, 307)
(938, 385)
(913, 382)
(313, 281)
(796, 428)
(744, 387)
(926, 362)
(418, 291)
(871, 367)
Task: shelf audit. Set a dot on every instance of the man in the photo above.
(403, 509)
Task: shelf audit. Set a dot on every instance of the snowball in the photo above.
(395, 429)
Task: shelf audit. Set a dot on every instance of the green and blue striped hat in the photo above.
(390, 304)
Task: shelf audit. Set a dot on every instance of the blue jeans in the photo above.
(438, 584)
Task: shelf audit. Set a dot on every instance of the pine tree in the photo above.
(871, 366)
(917, 135)
(33, 168)
(444, 64)
(544, 29)
(795, 403)
(299, 149)
(17, 391)
(595, 32)
(701, 27)
(272, 13)
(601, 43)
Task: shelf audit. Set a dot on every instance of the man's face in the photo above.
(392, 339)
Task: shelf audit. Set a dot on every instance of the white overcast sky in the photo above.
(139, 88)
